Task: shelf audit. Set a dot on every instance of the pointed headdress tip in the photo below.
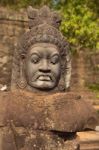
(41, 16)
(32, 12)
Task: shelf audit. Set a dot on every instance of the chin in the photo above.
(44, 86)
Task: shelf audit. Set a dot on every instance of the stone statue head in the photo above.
(42, 59)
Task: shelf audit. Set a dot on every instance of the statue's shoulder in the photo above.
(46, 110)
(76, 111)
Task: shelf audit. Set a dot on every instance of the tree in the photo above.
(80, 23)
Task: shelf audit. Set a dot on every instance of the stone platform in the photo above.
(89, 140)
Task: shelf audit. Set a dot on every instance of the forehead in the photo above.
(43, 48)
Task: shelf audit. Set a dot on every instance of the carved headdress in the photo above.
(43, 27)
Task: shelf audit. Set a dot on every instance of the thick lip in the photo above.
(44, 77)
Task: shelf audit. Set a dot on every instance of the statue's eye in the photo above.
(35, 58)
(54, 59)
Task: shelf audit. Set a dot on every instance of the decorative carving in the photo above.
(22, 83)
(43, 16)
(43, 30)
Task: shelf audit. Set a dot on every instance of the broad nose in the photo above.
(44, 66)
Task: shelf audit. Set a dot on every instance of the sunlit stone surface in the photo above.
(37, 113)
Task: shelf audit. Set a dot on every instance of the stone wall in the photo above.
(12, 25)
(85, 67)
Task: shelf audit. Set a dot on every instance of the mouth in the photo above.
(44, 78)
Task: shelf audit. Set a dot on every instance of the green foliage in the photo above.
(98, 111)
(94, 87)
(80, 25)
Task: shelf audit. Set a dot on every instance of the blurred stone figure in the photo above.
(37, 113)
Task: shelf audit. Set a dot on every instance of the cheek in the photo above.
(57, 70)
(29, 69)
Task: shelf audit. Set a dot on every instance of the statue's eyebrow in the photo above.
(55, 54)
(34, 53)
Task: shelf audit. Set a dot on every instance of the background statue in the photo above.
(35, 114)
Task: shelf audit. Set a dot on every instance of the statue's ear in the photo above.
(68, 72)
(23, 56)
(68, 67)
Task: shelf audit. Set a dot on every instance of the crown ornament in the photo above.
(43, 27)
(43, 16)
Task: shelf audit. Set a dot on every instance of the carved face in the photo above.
(42, 66)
